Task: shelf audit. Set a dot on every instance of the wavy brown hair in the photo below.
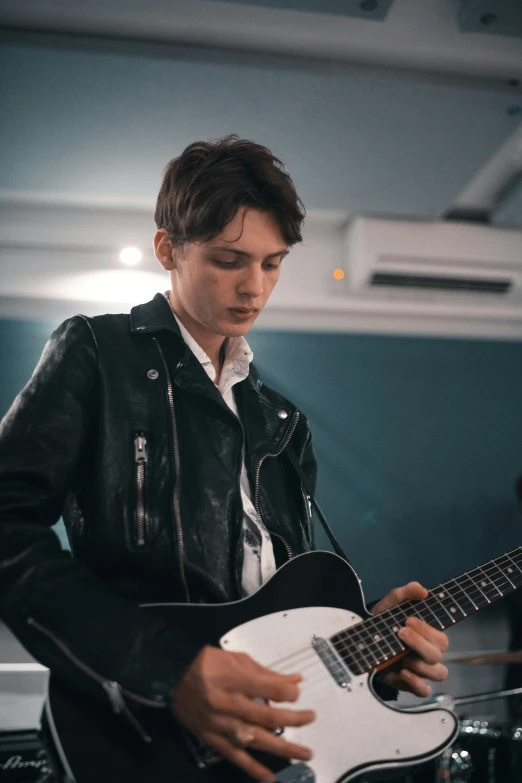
(203, 188)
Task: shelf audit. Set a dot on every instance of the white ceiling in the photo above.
(419, 35)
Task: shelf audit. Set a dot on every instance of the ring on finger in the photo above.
(243, 735)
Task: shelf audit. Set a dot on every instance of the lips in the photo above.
(243, 310)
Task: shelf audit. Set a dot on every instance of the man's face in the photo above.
(221, 286)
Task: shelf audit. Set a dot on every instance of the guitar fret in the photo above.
(502, 582)
(400, 613)
(486, 583)
(494, 567)
(356, 660)
(505, 561)
(360, 641)
(418, 609)
(363, 645)
(461, 597)
(360, 649)
(432, 613)
(512, 572)
(374, 641)
(451, 604)
(389, 638)
(439, 598)
(509, 567)
(479, 592)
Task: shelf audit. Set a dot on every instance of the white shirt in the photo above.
(259, 561)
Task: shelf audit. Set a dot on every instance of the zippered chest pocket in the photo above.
(141, 471)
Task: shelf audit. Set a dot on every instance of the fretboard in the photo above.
(373, 642)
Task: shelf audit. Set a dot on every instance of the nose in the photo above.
(251, 284)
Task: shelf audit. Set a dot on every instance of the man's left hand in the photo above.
(427, 645)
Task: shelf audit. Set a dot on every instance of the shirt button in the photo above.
(153, 374)
(282, 414)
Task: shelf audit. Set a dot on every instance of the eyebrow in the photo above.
(244, 254)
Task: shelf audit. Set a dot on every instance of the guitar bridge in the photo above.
(333, 663)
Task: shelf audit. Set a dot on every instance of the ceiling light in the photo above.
(130, 256)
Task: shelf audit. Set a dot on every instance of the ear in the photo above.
(163, 250)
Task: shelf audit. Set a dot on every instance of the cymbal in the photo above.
(482, 659)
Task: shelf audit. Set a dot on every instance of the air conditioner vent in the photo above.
(441, 283)
(458, 263)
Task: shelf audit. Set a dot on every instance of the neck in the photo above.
(373, 644)
(212, 344)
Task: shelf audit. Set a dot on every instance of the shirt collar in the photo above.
(237, 351)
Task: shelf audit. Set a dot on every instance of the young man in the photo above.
(154, 437)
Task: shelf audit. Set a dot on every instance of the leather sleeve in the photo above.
(67, 618)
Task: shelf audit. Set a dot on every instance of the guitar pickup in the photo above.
(333, 663)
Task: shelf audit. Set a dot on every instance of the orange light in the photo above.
(338, 274)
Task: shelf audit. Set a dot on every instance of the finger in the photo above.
(411, 591)
(436, 672)
(433, 635)
(265, 684)
(406, 680)
(265, 715)
(264, 740)
(249, 676)
(415, 684)
(295, 676)
(239, 757)
(428, 652)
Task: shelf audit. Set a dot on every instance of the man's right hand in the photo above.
(215, 701)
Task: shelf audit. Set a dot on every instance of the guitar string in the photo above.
(323, 675)
(404, 610)
(378, 618)
(310, 653)
(313, 654)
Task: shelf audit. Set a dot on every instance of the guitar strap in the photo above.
(315, 505)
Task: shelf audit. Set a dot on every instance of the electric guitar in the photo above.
(310, 617)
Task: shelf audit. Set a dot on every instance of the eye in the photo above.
(224, 264)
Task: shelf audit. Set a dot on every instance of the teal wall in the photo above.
(419, 441)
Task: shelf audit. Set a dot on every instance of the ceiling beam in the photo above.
(416, 36)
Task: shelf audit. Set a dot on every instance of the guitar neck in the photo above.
(373, 642)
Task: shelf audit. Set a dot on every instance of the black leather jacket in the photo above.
(121, 431)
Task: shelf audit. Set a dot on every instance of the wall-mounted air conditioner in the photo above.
(464, 261)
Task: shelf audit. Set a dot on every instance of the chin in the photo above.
(235, 330)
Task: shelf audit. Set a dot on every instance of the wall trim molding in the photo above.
(354, 317)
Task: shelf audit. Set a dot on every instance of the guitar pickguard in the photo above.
(349, 719)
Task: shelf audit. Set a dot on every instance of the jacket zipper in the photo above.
(256, 480)
(112, 688)
(175, 499)
(140, 457)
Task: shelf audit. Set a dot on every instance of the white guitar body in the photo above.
(355, 733)
(301, 620)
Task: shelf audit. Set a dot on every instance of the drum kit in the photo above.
(485, 751)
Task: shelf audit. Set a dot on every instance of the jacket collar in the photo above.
(153, 316)
(259, 411)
